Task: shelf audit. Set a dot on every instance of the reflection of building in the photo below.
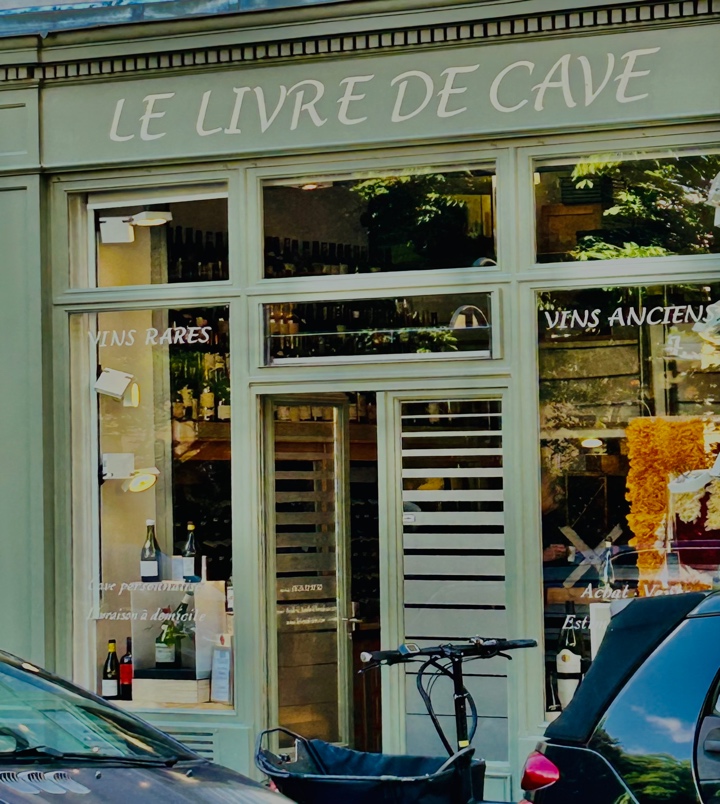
(327, 191)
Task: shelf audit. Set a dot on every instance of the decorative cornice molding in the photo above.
(529, 25)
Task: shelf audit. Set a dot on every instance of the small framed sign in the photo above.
(221, 673)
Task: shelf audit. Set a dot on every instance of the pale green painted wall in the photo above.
(22, 488)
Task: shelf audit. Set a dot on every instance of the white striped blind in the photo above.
(454, 556)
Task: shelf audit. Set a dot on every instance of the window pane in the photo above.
(608, 208)
(162, 555)
(391, 223)
(411, 325)
(630, 425)
(181, 241)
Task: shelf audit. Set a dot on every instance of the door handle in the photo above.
(712, 746)
(351, 623)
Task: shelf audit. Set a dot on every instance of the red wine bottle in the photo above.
(126, 673)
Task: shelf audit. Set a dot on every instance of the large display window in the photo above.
(158, 560)
(619, 206)
(629, 392)
(379, 223)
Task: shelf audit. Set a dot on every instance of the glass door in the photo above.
(308, 548)
(451, 476)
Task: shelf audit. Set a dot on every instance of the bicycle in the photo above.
(376, 778)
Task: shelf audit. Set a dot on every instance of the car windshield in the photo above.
(43, 714)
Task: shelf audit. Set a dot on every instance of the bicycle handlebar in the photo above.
(477, 647)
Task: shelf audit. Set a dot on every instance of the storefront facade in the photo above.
(392, 309)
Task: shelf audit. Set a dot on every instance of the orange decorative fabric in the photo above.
(658, 448)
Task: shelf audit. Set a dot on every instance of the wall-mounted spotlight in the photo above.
(468, 316)
(120, 230)
(121, 466)
(141, 479)
(151, 217)
(116, 230)
(117, 465)
(119, 385)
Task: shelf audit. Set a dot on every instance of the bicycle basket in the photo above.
(323, 773)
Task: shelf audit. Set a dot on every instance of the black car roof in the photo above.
(631, 637)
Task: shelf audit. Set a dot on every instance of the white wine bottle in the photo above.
(569, 658)
(110, 683)
(166, 648)
(150, 555)
(172, 632)
(189, 556)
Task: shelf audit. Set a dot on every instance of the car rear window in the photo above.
(632, 635)
(649, 731)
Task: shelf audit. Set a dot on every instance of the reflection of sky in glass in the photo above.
(657, 712)
(19, 17)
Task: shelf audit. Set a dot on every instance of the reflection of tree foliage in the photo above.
(559, 453)
(652, 778)
(659, 207)
(602, 390)
(422, 216)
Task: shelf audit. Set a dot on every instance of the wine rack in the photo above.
(196, 256)
(412, 325)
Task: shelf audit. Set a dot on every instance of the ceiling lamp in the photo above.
(314, 185)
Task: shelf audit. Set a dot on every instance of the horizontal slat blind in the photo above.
(454, 557)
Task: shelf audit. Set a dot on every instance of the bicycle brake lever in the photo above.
(504, 655)
(368, 667)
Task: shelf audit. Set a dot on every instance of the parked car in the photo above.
(58, 739)
(644, 725)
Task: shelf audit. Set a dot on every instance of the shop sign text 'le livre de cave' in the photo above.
(412, 91)
(557, 83)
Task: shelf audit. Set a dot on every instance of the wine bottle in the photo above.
(110, 684)
(361, 408)
(190, 262)
(569, 657)
(269, 257)
(221, 252)
(229, 596)
(150, 555)
(210, 257)
(172, 632)
(189, 554)
(170, 253)
(207, 404)
(223, 410)
(167, 649)
(178, 256)
(199, 267)
(126, 672)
